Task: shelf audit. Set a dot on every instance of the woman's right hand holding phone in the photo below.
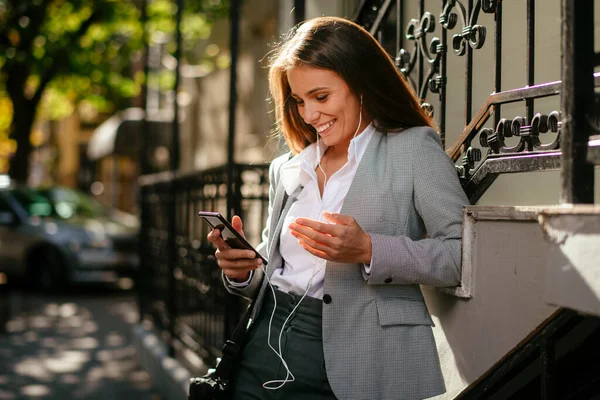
(235, 263)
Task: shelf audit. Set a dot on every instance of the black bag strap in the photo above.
(232, 346)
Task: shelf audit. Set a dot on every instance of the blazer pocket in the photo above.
(386, 227)
(399, 311)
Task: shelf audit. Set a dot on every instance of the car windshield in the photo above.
(69, 203)
(35, 204)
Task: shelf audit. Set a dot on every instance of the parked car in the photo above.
(56, 236)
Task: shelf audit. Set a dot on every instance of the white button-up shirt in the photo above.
(302, 270)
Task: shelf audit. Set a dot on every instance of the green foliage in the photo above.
(68, 54)
(7, 146)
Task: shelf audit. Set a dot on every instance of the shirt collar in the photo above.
(294, 172)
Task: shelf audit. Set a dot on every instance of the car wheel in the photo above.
(49, 272)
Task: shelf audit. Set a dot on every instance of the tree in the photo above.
(82, 50)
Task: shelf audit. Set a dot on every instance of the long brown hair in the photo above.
(350, 51)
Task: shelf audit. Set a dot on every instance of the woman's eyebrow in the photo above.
(311, 91)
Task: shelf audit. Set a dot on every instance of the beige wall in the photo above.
(508, 268)
(205, 132)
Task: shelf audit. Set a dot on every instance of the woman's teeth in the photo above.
(325, 126)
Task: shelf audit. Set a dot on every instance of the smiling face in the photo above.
(325, 101)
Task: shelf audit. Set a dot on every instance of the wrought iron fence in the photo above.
(184, 296)
(492, 141)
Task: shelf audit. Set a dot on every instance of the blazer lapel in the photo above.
(278, 203)
(354, 202)
(282, 205)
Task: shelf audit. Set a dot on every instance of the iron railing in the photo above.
(535, 137)
(547, 364)
(185, 297)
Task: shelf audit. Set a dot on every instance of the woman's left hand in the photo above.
(342, 241)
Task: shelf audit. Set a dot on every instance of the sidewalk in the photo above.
(72, 346)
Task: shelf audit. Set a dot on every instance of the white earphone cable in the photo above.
(319, 150)
(289, 377)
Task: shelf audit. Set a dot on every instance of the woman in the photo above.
(365, 209)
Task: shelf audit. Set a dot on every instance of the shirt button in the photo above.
(326, 299)
(388, 280)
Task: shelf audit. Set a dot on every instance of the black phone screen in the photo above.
(228, 233)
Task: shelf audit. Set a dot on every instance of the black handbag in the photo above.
(216, 384)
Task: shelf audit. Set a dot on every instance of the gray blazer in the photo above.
(377, 336)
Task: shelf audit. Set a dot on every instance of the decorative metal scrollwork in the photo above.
(432, 51)
(489, 6)
(529, 134)
(417, 31)
(471, 34)
(529, 141)
(472, 156)
(542, 124)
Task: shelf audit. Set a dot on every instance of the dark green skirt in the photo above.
(301, 347)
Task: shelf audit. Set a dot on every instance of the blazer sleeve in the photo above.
(438, 199)
(249, 291)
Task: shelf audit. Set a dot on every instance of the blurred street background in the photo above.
(72, 345)
(121, 119)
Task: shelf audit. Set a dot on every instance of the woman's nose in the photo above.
(311, 113)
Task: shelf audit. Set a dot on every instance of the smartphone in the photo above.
(228, 233)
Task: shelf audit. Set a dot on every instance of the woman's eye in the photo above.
(322, 97)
